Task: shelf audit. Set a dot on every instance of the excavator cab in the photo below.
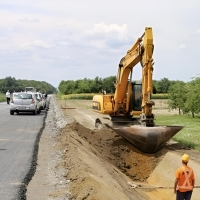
(130, 115)
(136, 97)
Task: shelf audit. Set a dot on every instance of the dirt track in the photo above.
(81, 162)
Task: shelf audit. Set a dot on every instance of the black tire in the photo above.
(35, 112)
(11, 112)
(39, 111)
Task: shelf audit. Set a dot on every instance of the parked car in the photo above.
(45, 97)
(14, 94)
(24, 102)
(41, 100)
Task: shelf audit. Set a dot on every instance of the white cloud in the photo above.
(115, 30)
(36, 43)
(182, 46)
(64, 43)
(198, 31)
(29, 20)
(106, 36)
(40, 43)
(102, 27)
(97, 44)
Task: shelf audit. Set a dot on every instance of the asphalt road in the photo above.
(19, 136)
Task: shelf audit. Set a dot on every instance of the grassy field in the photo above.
(2, 97)
(189, 135)
(89, 96)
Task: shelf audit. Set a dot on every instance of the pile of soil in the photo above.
(116, 150)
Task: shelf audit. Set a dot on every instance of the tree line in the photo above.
(181, 95)
(85, 85)
(11, 84)
(98, 85)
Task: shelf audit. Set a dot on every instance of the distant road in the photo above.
(18, 137)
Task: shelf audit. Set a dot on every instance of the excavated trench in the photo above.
(118, 151)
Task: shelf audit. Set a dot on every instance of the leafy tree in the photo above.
(155, 86)
(98, 84)
(67, 87)
(163, 85)
(84, 86)
(108, 84)
(177, 95)
(193, 97)
(8, 83)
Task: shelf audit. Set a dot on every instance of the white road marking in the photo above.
(86, 115)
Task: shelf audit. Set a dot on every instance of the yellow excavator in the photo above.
(130, 107)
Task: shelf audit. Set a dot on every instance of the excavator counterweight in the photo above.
(132, 99)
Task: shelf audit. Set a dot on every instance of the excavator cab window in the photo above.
(136, 100)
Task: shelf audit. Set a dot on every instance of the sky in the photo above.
(48, 40)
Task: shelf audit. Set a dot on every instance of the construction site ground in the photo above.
(76, 161)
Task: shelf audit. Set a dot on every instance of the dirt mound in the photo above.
(118, 151)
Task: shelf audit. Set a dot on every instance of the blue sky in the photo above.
(51, 41)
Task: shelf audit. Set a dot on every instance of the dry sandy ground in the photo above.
(77, 161)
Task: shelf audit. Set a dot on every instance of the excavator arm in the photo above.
(141, 51)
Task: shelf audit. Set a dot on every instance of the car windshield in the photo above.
(23, 96)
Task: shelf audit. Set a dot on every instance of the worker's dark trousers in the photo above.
(183, 195)
(8, 100)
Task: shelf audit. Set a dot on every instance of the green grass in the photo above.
(89, 96)
(2, 97)
(189, 135)
(78, 96)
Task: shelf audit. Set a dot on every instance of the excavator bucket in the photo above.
(148, 139)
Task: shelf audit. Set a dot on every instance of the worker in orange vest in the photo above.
(184, 182)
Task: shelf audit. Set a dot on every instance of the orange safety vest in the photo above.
(186, 185)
